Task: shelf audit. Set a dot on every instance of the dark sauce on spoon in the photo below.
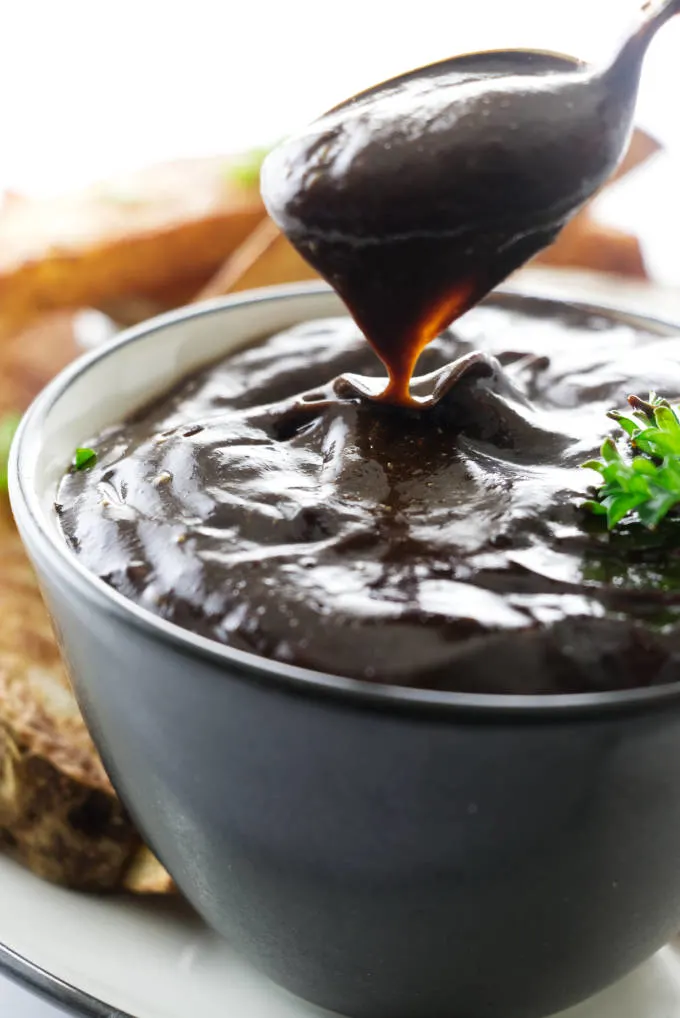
(416, 198)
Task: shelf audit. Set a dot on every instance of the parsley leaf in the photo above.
(84, 459)
(641, 470)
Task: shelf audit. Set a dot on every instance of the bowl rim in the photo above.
(484, 706)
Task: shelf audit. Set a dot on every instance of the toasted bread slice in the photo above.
(588, 244)
(56, 804)
(265, 258)
(58, 811)
(159, 233)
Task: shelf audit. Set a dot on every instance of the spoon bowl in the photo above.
(485, 64)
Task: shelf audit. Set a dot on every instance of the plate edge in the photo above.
(54, 990)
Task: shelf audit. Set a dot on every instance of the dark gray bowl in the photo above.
(383, 852)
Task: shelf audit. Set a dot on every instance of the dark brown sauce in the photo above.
(440, 548)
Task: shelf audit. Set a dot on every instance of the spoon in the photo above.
(416, 197)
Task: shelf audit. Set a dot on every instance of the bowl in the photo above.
(380, 851)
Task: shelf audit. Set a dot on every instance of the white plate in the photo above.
(119, 957)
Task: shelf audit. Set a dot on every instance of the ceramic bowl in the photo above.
(383, 852)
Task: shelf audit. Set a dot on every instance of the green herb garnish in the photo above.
(8, 426)
(641, 472)
(245, 169)
(84, 459)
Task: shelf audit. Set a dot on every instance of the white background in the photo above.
(86, 87)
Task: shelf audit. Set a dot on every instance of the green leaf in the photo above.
(666, 420)
(651, 513)
(614, 473)
(629, 425)
(638, 483)
(642, 466)
(658, 401)
(621, 506)
(84, 459)
(594, 507)
(646, 485)
(657, 443)
(8, 426)
(609, 452)
(668, 474)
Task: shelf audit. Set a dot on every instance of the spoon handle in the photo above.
(658, 11)
(654, 14)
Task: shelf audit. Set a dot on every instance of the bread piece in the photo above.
(160, 231)
(588, 244)
(145, 875)
(641, 148)
(266, 258)
(58, 811)
(584, 243)
(31, 357)
(56, 803)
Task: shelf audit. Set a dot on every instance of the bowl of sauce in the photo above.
(400, 719)
(254, 506)
(421, 766)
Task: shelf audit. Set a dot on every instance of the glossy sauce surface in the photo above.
(440, 548)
